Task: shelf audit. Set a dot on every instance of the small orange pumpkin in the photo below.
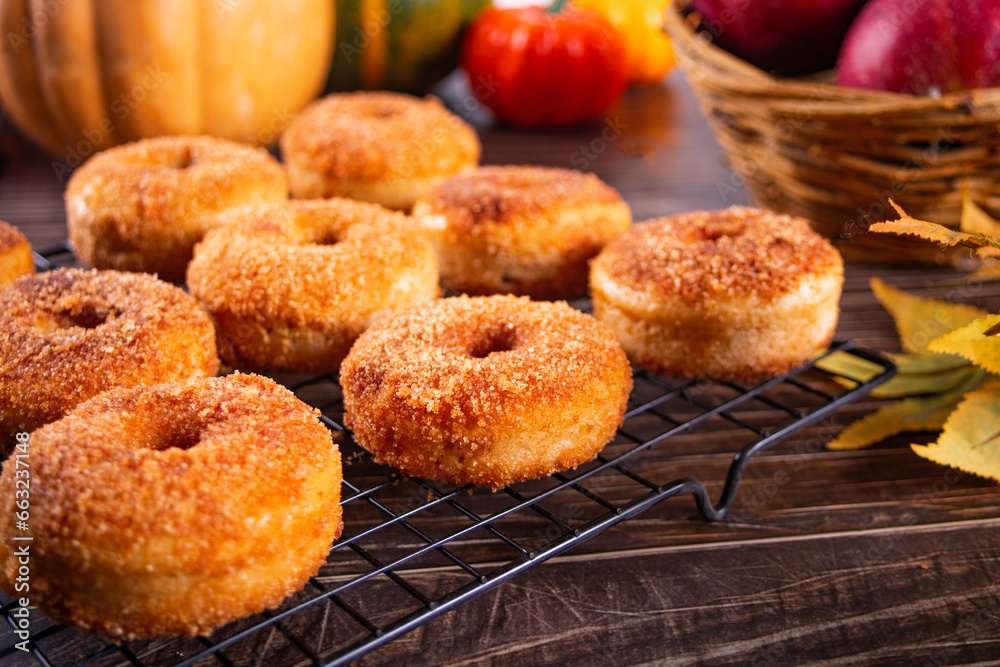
(78, 76)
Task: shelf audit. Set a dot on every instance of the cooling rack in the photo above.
(413, 550)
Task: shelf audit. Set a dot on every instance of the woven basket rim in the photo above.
(724, 71)
(835, 155)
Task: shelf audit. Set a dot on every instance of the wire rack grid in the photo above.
(413, 550)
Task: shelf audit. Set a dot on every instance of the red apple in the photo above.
(786, 37)
(923, 47)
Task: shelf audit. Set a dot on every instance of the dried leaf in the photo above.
(970, 440)
(932, 231)
(919, 320)
(926, 362)
(987, 271)
(846, 366)
(919, 374)
(974, 343)
(909, 414)
(923, 384)
(929, 231)
(975, 220)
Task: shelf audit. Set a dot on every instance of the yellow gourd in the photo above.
(77, 76)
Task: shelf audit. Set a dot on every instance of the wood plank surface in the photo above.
(836, 558)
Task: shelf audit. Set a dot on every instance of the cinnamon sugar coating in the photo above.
(291, 287)
(142, 206)
(485, 390)
(521, 230)
(70, 334)
(174, 508)
(737, 252)
(381, 147)
(16, 259)
(738, 294)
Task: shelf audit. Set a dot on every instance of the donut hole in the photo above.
(385, 111)
(164, 421)
(177, 434)
(716, 230)
(180, 439)
(86, 317)
(494, 341)
(326, 232)
(781, 245)
(187, 158)
(328, 237)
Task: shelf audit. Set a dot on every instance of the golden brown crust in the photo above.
(487, 390)
(739, 294)
(293, 286)
(508, 194)
(521, 230)
(16, 259)
(67, 335)
(175, 508)
(143, 206)
(736, 252)
(376, 146)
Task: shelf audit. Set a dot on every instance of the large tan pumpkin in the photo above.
(78, 76)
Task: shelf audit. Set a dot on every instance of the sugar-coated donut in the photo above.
(292, 287)
(387, 148)
(70, 334)
(16, 259)
(173, 508)
(521, 230)
(142, 206)
(488, 390)
(738, 294)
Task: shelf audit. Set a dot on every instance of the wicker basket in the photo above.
(836, 155)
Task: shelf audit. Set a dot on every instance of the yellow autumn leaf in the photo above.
(987, 271)
(972, 343)
(923, 384)
(920, 320)
(909, 414)
(850, 368)
(975, 220)
(970, 440)
(926, 362)
(918, 373)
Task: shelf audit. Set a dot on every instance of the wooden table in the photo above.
(870, 557)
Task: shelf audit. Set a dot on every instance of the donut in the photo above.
(142, 206)
(70, 334)
(386, 148)
(173, 508)
(291, 287)
(741, 294)
(16, 259)
(521, 230)
(485, 390)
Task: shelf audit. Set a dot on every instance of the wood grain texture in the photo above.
(904, 596)
(837, 558)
